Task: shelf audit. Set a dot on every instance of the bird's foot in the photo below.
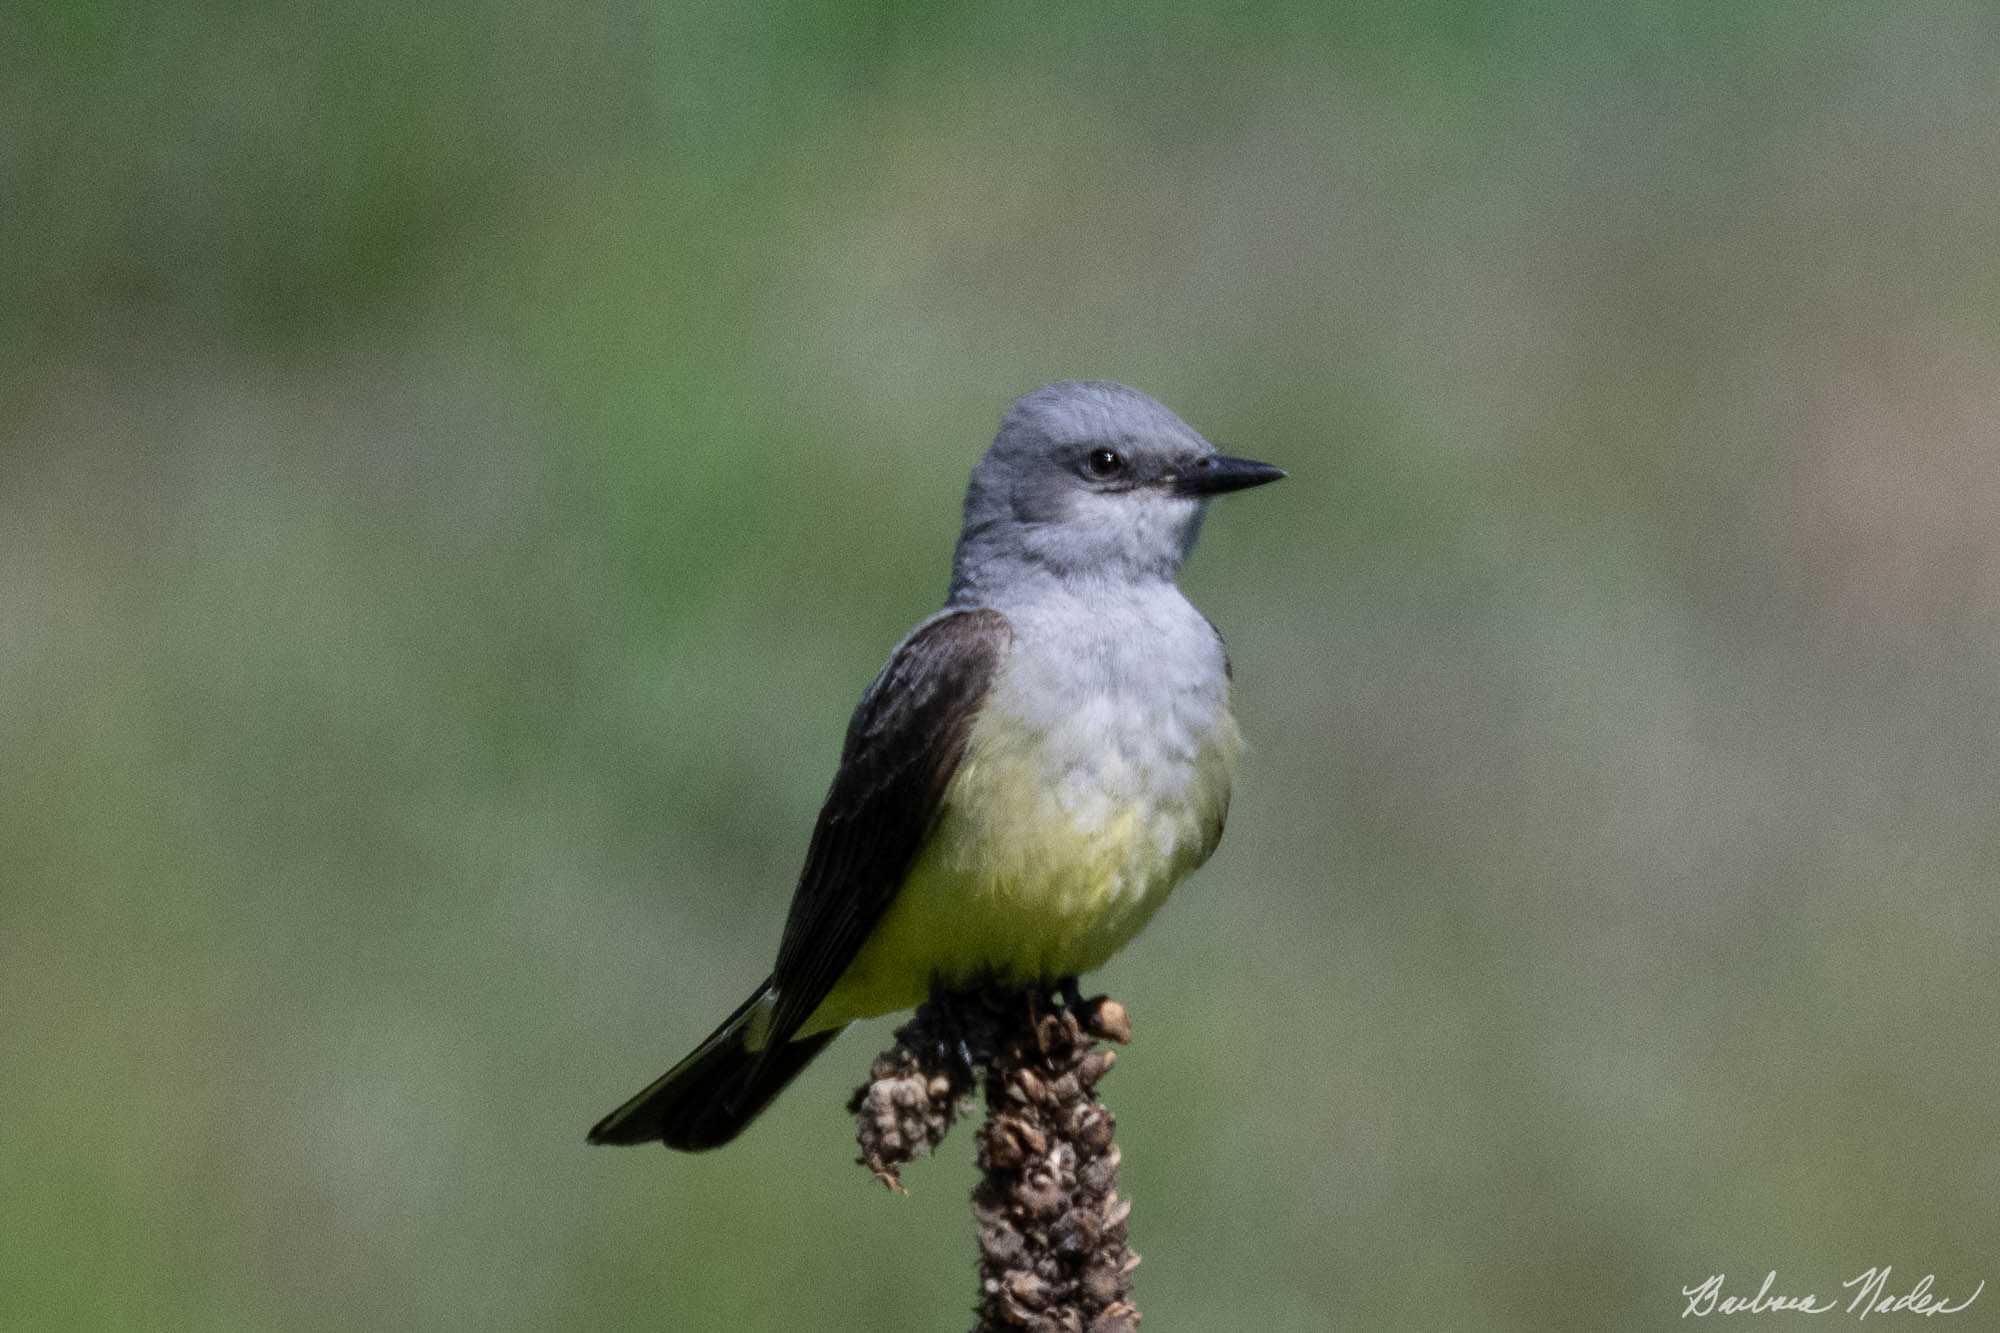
(1099, 1016)
(956, 1037)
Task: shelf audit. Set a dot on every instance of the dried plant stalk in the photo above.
(1053, 1256)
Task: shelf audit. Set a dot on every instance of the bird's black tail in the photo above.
(708, 1098)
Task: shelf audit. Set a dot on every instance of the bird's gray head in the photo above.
(1089, 480)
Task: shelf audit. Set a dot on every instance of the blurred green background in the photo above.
(460, 462)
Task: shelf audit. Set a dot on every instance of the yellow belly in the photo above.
(1022, 880)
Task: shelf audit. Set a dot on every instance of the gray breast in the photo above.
(1124, 694)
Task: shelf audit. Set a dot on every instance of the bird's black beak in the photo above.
(1219, 473)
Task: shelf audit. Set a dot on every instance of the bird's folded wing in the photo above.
(905, 742)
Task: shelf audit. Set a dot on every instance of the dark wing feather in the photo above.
(903, 745)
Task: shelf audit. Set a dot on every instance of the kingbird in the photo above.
(1037, 765)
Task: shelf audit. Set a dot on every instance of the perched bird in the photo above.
(1037, 765)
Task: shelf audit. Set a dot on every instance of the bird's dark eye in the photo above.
(1105, 463)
